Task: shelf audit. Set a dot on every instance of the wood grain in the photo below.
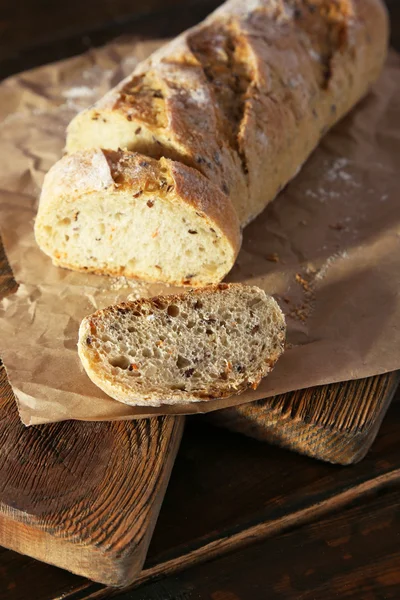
(252, 492)
(84, 496)
(226, 493)
(354, 554)
(336, 423)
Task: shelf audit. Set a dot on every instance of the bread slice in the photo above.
(121, 213)
(202, 344)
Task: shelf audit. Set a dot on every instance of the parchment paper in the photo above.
(328, 248)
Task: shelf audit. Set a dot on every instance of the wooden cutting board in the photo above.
(336, 423)
(229, 493)
(85, 496)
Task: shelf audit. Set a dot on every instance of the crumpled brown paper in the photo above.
(328, 248)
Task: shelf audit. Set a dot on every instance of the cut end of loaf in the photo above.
(192, 347)
(121, 213)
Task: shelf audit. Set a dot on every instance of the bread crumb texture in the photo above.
(123, 214)
(200, 345)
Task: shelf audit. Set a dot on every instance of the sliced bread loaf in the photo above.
(121, 213)
(236, 105)
(176, 349)
(245, 96)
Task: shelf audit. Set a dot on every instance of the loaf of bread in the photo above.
(192, 347)
(124, 214)
(242, 99)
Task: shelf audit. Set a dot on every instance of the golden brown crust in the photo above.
(88, 171)
(246, 96)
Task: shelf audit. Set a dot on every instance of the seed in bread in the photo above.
(176, 349)
(121, 213)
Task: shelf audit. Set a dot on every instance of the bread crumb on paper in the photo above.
(337, 226)
(304, 284)
(303, 310)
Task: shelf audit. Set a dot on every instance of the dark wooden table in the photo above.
(349, 550)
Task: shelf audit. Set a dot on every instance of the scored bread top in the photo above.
(97, 169)
(232, 108)
(203, 344)
(245, 96)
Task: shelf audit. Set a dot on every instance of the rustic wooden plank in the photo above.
(351, 554)
(336, 423)
(84, 496)
(256, 490)
(228, 492)
(252, 492)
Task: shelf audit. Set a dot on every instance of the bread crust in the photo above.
(95, 370)
(245, 96)
(232, 108)
(88, 171)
